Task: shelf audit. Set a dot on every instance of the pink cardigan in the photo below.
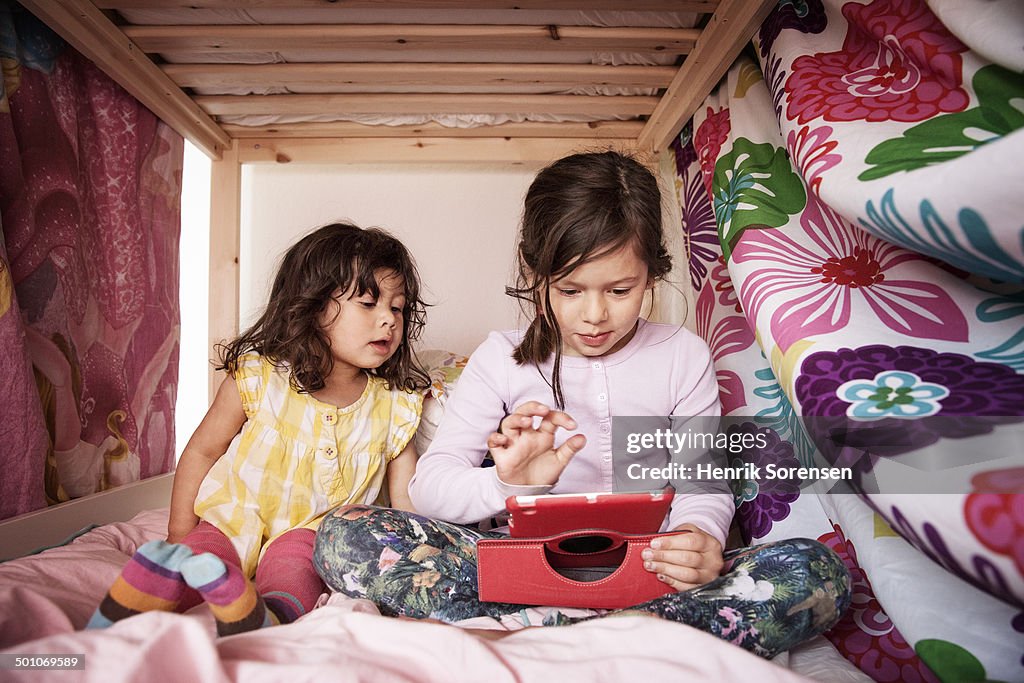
(664, 370)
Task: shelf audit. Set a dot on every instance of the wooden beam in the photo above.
(599, 106)
(220, 39)
(597, 130)
(699, 6)
(730, 29)
(225, 245)
(89, 31)
(412, 150)
(360, 74)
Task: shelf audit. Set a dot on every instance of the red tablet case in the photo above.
(630, 513)
(576, 534)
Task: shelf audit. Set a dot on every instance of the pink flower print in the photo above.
(387, 559)
(813, 153)
(729, 334)
(723, 285)
(890, 72)
(733, 617)
(742, 635)
(865, 635)
(708, 141)
(826, 267)
(898, 63)
(994, 512)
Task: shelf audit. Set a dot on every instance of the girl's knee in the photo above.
(802, 556)
(349, 537)
(819, 557)
(798, 549)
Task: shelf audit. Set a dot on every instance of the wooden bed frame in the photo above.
(129, 54)
(158, 65)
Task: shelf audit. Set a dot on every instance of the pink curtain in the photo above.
(90, 183)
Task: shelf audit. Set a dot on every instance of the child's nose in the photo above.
(388, 319)
(594, 310)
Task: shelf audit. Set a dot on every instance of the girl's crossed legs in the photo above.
(771, 597)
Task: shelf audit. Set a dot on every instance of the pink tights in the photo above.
(285, 577)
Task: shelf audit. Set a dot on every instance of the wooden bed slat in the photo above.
(191, 40)
(598, 130)
(699, 6)
(415, 74)
(415, 150)
(225, 246)
(90, 32)
(730, 29)
(584, 105)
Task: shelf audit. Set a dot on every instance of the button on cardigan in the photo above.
(663, 370)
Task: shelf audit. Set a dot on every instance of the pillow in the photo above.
(444, 368)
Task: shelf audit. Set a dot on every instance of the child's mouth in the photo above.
(381, 345)
(595, 340)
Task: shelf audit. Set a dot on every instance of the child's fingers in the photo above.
(532, 408)
(684, 560)
(679, 584)
(684, 576)
(515, 423)
(571, 447)
(522, 417)
(555, 419)
(496, 440)
(690, 537)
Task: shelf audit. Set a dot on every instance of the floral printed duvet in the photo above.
(852, 200)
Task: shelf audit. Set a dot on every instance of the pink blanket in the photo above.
(45, 597)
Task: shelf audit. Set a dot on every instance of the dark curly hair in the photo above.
(580, 208)
(335, 257)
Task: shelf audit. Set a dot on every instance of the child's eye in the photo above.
(621, 291)
(368, 304)
(396, 310)
(568, 292)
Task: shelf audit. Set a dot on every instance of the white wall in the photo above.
(194, 244)
(458, 220)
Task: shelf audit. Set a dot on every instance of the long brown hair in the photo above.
(335, 257)
(578, 209)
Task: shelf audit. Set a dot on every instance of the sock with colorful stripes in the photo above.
(233, 599)
(285, 606)
(150, 581)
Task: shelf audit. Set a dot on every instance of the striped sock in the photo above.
(150, 581)
(233, 599)
(285, 606)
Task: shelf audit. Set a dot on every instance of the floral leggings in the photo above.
(772, 596)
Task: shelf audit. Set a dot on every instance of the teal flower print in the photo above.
(891, 394)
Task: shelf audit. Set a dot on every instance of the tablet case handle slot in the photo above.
(599, 550)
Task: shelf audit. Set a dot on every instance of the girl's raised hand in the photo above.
(525, 455)
(686, 560)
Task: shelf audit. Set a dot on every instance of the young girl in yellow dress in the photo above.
(318, 409)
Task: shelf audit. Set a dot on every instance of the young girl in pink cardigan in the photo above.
(591, 247)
